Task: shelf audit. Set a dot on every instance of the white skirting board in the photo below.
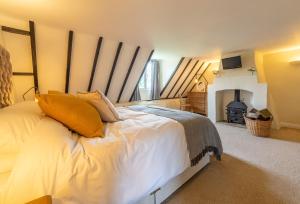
(290, 125)
(165, 191)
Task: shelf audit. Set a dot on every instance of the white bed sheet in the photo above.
(138, 155)
(3, 179)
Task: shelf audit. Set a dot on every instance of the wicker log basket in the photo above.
(257, 127)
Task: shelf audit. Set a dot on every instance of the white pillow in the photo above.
(105, 108)
(7, 162)
(17, 123)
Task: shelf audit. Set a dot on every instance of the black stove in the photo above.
(236, 109)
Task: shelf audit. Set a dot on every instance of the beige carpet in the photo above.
(253, 170)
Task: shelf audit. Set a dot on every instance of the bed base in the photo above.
(168, 189)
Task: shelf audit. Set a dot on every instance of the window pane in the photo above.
(145, 83)
(150, 76)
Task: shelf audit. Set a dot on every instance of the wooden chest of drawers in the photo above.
(197, 102)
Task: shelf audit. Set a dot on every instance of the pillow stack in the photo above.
(105, 108)
(82, 113)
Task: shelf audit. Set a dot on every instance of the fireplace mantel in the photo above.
(247, 83)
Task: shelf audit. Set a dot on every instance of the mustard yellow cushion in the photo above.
(106, 109)
(73, 112)
(55, 92)
(42, 200)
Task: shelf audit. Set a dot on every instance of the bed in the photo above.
(143, 158)
(134, 163)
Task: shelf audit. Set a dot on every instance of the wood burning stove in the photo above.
(236, 109)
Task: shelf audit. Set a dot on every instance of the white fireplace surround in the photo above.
(247, 83)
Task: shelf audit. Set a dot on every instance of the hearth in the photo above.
(236, 109)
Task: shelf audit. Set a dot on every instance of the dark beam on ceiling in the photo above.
(69, 59)
(128, 72)
(186, 78)
(99, 43)
(15, 30)
(22, 74)
(192, 78)
(186, 66)
(145, 66)
(33, 55)
(172, 75)
(113, 67)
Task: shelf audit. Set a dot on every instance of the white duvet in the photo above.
(139, 154)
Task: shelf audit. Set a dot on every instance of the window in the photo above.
(149, 85)
(146, 80)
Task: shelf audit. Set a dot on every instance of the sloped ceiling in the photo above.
(173, 27)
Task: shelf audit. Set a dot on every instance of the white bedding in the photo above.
(138, 155)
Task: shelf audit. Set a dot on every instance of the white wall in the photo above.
(236, 79)
(52, 56)
(167, 67)
(248, 61)
(283, 79)
(247, 83)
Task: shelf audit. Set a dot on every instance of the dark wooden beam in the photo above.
(33, 56)
(69, 59)
(172, 75)
(186, 66)
(145, 66)
(186, 78)
(200, 76)
(192, 78)
(15, 30)
(128, 72)
(113, 67)
(22, 74)
(95, 63)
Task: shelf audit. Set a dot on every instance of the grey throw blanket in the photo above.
(201, 134)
